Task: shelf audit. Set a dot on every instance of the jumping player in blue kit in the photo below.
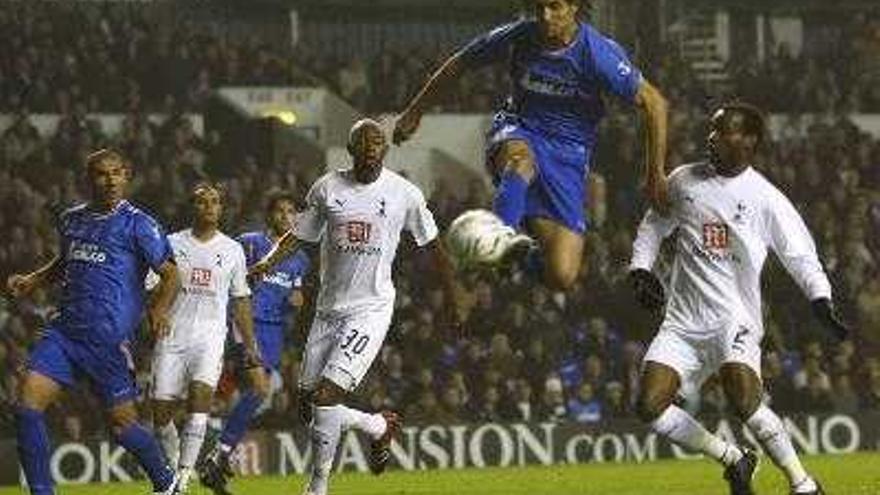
(106, 247)
(274, 298)
(541, 143)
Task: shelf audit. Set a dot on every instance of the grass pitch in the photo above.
(854, 474)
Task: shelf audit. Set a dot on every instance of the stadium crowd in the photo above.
(526, 354)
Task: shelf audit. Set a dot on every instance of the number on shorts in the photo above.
(359, 340)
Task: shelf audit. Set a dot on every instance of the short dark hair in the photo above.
(216, 186)
(102, 154)
(276, 196)
(753, 118)
(584, 11)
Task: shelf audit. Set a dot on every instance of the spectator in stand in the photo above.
(585, 406)
(552, 407)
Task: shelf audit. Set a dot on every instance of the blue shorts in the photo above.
(270, 338)
(108, 367)
(558, 192)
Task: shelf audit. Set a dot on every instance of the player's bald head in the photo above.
(368, 146)
(362, 126)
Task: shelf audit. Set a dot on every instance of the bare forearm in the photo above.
(244, 321)
(166, 290)
(655, 111)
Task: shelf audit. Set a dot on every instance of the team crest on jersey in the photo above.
(200, 277)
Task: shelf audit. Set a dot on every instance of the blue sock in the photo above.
(240, 418)
(33, 451)
(510, 199)
(143, 445)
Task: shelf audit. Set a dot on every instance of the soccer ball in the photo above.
(478, 238)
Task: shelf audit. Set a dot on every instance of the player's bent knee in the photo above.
(122, 417)
(162, 416)
(745, 407)
(651, 405)
(559, 278)
(37, 392)
(516, 157)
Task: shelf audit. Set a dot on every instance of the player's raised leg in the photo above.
(336, 357)
(561, 255)
(659, 385)
(331, 419)
(217, 469)
(743, 389)
(138, 441)
(515, 164)
(166, 429)
(36, 394)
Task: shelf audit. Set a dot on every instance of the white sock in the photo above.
(326, 433)
(192, 438)
(373, 425)
(680, 427)
(770, 431)
(185, 474)
(170, 442)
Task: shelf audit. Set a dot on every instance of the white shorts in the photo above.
(341, 348)
(696, 356)
(175, 367)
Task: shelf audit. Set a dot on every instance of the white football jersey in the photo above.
(359, 228)
(724, 227)
(210, 273)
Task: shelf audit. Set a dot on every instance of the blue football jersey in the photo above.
(105, 257)
(557, 92)
(270, 295)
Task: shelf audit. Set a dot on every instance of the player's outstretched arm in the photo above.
(428, 95)
(790, 239)
(162, 297)
(654, 108)
(20, 285)
(652, 230)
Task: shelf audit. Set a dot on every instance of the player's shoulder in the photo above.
(139, 214)
(524, 28)
(249, 237)
(74, 211)
(397, 182)
(179, 236)
(590, 35)
(761, 186)
(228, 243)
(690, 172)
